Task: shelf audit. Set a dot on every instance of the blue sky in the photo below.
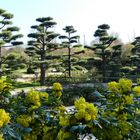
(84, 15)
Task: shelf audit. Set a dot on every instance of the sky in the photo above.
(85, 15)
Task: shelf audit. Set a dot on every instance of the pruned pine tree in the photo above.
(105, 50)
(135, 55)
(69, 41)
(8, 33)
(42, 42)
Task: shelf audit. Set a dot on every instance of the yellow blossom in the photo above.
(4, 86)
(125, 84)
(64, 120)
(80, 114)
(129, 99)
(57, 87)
(136, 90)
(113, 86)
(32, 108)
(79, 102)
(33, 98)
(57, 90)
(24, 120)
(43, 95)
(4, 118)
(85, 110)
(87, 117)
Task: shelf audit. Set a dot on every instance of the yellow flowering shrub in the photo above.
(62, 110)
(121, 111)
(30, 137)
(137, 111)
(46, 129)
(85, 110)
(64, 120)
(136, 90)
(125, 127)
(58, 94)
(129, 99)
(42, 116)
(57, 86)
(43, 95)
(138, 81)
(4, 86)
(48, 136)
(24, 120)
(125, 84)
(4, 118)
(113, 86)
(114, 134)
(33, 98)
(57, 90)
(62, 135)
(122, 117)
(1, 137)
(49, 133)
(80, 103)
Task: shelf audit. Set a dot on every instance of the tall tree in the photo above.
(68, 41)
(8, 35)
(135, 54)
(105, 50)
(42, 43)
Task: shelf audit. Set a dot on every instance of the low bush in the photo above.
(41, 116)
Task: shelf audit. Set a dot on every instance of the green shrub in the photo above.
(41, 116)
(30, 70)
(22, 66)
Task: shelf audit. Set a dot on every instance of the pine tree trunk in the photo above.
(104, 73)
(43, 75)
(69, 61)
(0, 61)
(103, 66)
(43, 67)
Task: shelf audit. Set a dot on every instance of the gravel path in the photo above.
(17, 91)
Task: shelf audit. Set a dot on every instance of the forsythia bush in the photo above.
(42, 116)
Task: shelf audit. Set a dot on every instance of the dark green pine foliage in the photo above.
(70, 40)
(42, 43)
(115, 63)
(33, 57)
(109, 55)
(135, 55)
(8, 33)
